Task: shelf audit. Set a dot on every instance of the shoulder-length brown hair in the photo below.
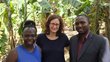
(49, 19)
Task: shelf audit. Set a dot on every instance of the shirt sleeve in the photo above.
(67, 42)
(38, 40)
(106, 56)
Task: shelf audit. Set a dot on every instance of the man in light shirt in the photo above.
(106, 57)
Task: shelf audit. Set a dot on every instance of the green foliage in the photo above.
(38, 10)
(5, 18)
(7, 15)
(46, 7)
(20, 29)
(83, 0)
(21, 11)
(82, 7)
(75, 3)
(11, 7)
(3, 40)
(65, 1)
(32, 1)
(0, 24)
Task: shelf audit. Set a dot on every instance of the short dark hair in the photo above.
(84, 16)
(49, 19)
(29, 23)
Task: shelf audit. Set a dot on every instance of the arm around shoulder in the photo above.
(12, 56)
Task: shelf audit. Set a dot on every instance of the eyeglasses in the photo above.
(56, 24)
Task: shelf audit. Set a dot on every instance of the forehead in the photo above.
(81, 19)
(55, 21)
(29, 30)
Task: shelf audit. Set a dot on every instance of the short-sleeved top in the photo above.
(25, 56)
(52, 50)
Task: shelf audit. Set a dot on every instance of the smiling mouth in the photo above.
(29, 42)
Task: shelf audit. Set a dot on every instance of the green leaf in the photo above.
(75, 3)
(12, 7)
(3, 41)
(5, 18)
(20, 28)
(0, 23)
(32, 1)
(46, 7)
(82, 0)
(65, 1)
(82, 7)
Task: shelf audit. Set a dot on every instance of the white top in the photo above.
(106, 57)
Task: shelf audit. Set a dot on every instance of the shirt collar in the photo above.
(85, 36)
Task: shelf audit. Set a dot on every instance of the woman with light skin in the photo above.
(53, 41)
(28, 51)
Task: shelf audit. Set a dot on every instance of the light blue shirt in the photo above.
(106, 57)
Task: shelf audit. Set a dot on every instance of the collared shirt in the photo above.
(81, 42)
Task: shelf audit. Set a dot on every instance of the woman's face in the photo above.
(29, 36)
(54, 25)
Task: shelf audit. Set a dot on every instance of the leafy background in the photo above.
(14, 12)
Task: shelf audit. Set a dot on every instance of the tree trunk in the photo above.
(10, 29)
(97, 17)
(25, 10)
(107, 19)
(43, 21)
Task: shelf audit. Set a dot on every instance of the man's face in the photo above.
(29, 36)
(82, 24)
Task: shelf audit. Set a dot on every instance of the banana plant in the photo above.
(8, 21)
